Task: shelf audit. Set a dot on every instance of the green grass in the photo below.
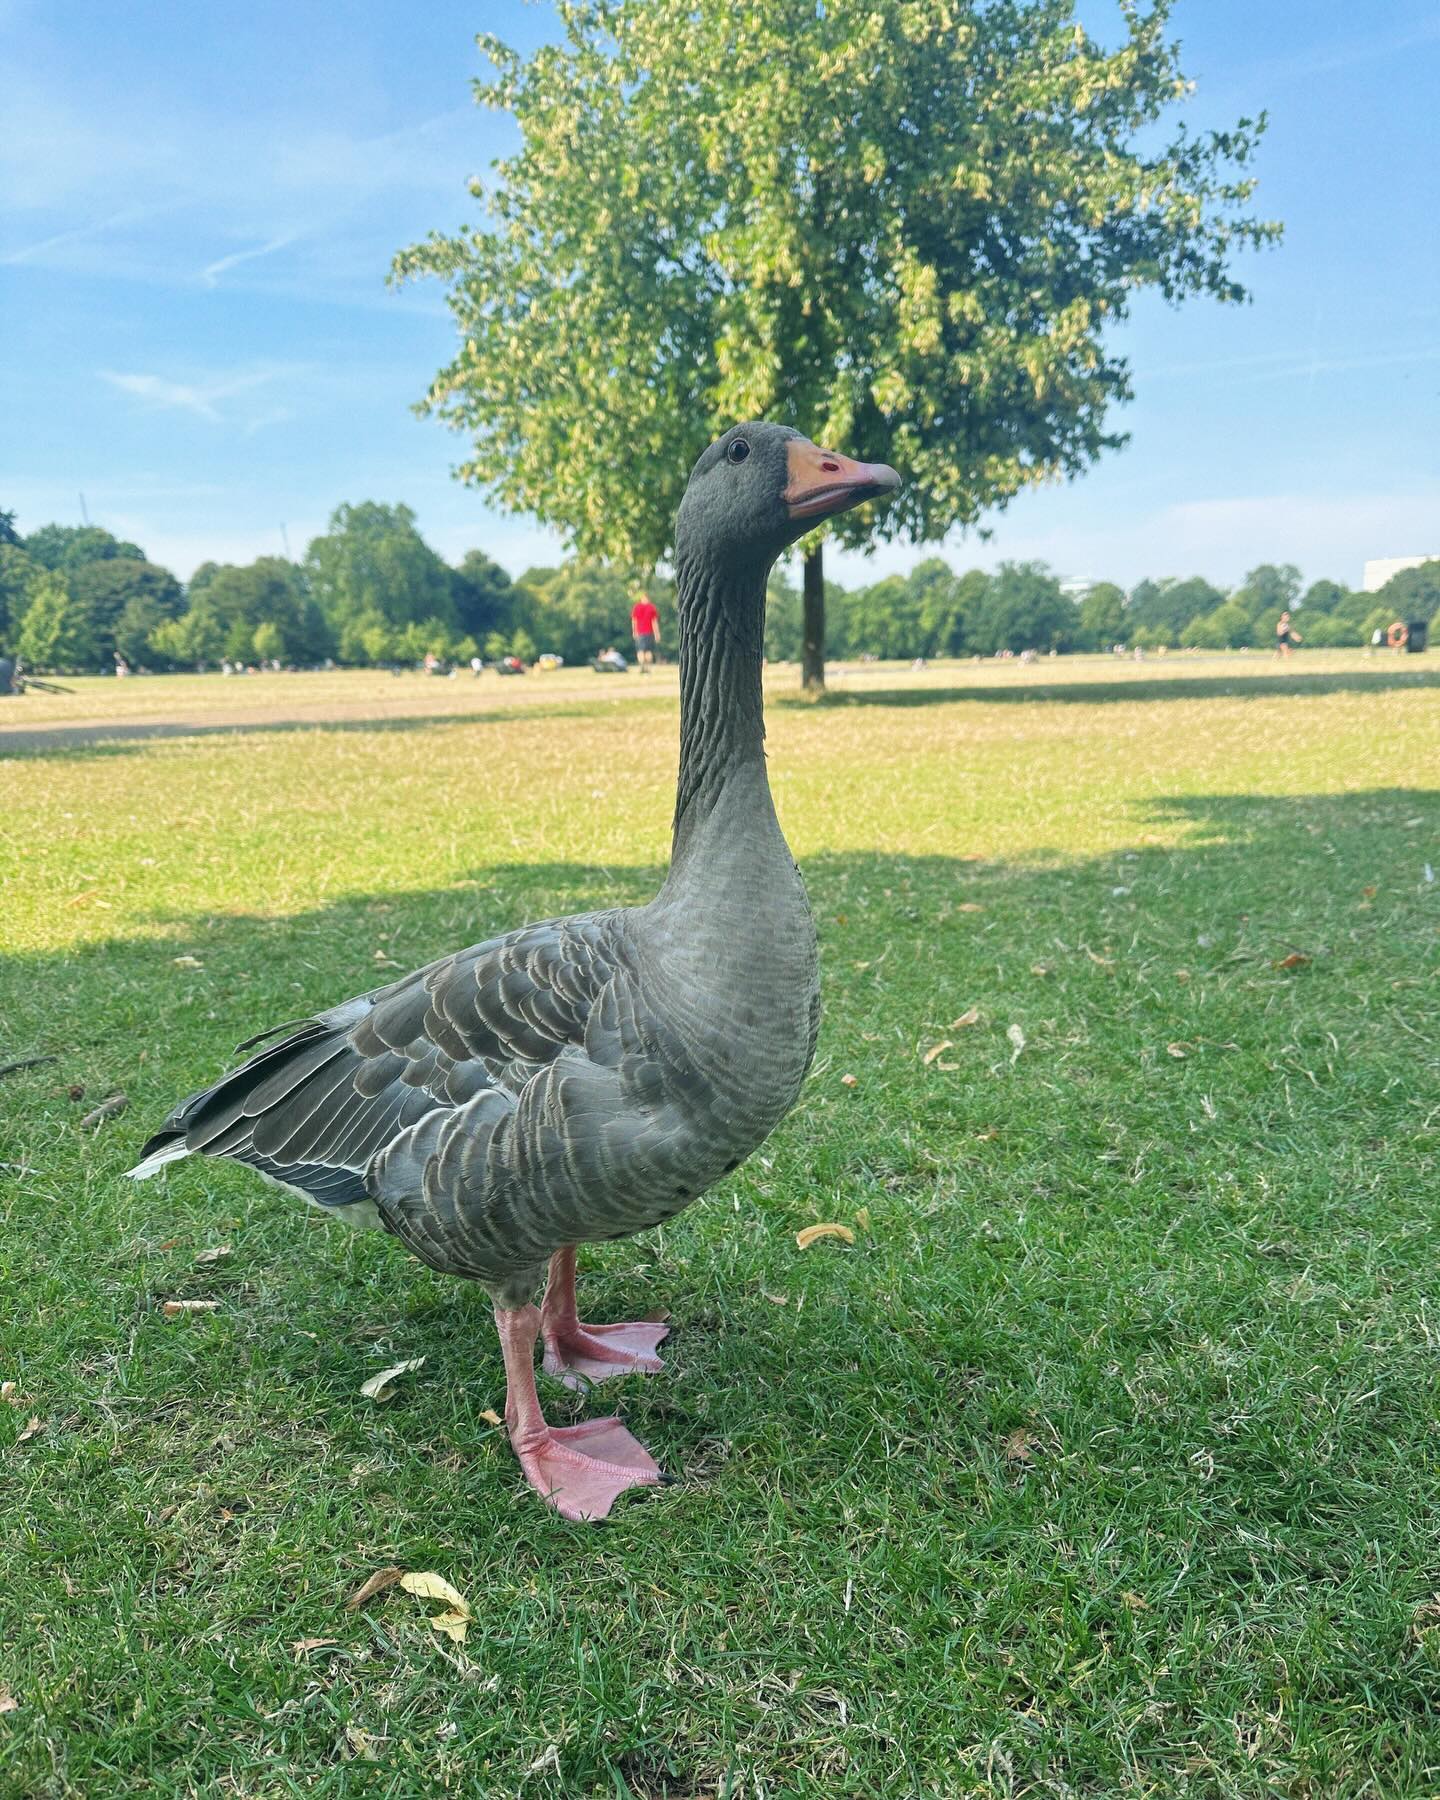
(1104, 1463)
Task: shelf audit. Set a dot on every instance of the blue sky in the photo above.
(198, 206)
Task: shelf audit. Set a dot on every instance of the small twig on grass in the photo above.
(107, 1109)
(24, 1062)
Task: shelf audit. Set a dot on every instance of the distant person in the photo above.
(7, 674)
(1285, 636)
(645, 627)
(476, 666)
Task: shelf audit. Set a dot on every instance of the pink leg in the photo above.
(594, 1352)
(580, 1469)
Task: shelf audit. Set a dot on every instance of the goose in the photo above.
(585, 1078)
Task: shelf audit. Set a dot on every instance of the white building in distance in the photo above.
(1377, 573)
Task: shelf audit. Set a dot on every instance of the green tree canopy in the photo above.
(65, 548)
(1023, 608)
(238, 600)
(109, 586)
(18, 575)
(902, 226)
(1269, 590)
(581, 607)
(483, 594)
(58, 632)
(373, 571)
(1102, 616)
(1162, 609)
(1413, 593)
(1225, 627)
(1323, 597)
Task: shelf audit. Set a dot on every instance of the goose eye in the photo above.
(738, 451)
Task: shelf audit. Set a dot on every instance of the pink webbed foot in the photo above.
(581, 1470)
(576, 1352)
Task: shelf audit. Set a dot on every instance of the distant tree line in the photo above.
(371, 591)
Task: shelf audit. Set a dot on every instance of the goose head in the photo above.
(759, 488)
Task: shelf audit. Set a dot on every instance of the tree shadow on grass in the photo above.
(1219, 686)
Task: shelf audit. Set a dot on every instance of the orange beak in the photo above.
(822, 482)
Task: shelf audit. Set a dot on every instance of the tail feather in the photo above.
(162, 1148)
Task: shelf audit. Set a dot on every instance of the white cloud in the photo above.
(44, 247)
(203, 397)
(212, 272)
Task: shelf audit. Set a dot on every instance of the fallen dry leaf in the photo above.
(849, 1081)
(218, 1254)
(982, 1136)
(427, 1585)
(373, 1585)
(175, 1309)
(361, 1743)
(107, 1109)
(937, 1050)
(10, 1393)
(1017, 1446)
(1427, 1617)
(1041, 969)
(31, 1427)
(776, 1299)
(303, 1646)
(1295, 960)
(378, 1386)
(8, 1702)
(862, 1217)
(187, 962)
(1179, 1051)
(1017, 1038)
(812, 1234)
(969, 906)
(966, 1018)
(1135, 1602)
(490, 1416)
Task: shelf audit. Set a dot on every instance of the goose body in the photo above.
(587, 1077)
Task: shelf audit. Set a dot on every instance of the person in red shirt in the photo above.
(645, 625)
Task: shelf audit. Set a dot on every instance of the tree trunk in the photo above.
(812, 654)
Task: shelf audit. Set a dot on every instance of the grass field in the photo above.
(1107, 1460)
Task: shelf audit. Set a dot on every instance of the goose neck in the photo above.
(722, 724)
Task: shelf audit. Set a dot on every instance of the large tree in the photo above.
(58, 631)
(1159, 611)
(373, 574)
(902, 226)
(110, 586)
(1102, 616)
(1024, 607)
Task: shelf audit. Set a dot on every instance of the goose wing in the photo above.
(320, 1098)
